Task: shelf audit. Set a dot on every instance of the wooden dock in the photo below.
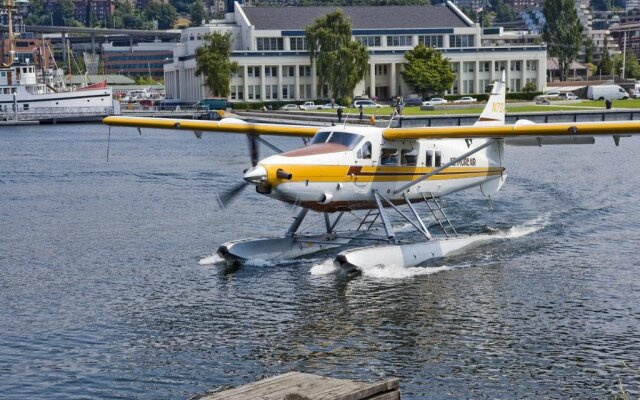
(300, 386)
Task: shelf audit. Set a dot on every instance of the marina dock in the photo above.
(301, 386)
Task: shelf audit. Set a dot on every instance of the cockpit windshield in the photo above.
(320, 137)
(349, 140)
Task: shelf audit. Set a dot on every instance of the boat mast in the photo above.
(8, 6)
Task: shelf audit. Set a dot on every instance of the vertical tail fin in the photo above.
(494, 111)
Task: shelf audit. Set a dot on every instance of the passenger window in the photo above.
(389, 157)
(438, 159)
(429, 160)
(409, 157)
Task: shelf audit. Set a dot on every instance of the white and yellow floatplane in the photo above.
(346, 168)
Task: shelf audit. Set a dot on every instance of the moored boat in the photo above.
(20, 91)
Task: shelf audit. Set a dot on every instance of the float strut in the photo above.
(296, 222)
(391, 236)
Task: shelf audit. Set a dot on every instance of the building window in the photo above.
(515, 85)
(305, 92)
(399, 40)
(298, 43)
(467, 86)
(236, 92)
(270, 44)
(288, 91)
(454, 87)
(499, 66)
(304, 70)
(468, 66)
(254, 92)
(516, 65)
(431, 40)
(381, 69)
(461, 41)
(369, 41)
(455, 67)
(483, 85)
(271, 70)
(484, 66)
(253, 72)
(288, 70)
(271, 92)
(532, 65)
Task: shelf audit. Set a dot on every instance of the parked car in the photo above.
(411, 101)
(551, 94)
(330, 106)
(290, 107)
(435, 101)
(310, 105)
(366, 104)
(567, 96)
(465, 99)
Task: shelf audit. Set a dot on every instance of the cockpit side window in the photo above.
(364, 152)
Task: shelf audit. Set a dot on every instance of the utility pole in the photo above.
(624, 54)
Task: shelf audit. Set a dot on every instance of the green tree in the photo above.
(181, 6)
(504, 12)
(38, 14)
(341, 62)
(426, 71)
(125, 17)
(605, 66)
(64, 13)
(197, 13)
(530, 87)
(165, 14)
(631, 66)
(588, 50)
(562, 32)
(213, 61)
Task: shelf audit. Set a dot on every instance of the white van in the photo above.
(606, 92)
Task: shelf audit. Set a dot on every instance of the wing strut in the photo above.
(447, 165)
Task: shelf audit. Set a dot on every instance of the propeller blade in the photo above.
(253, 150)
(227, 197)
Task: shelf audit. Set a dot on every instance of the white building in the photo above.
(270, 47)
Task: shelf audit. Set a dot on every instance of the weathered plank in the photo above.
(296, 385)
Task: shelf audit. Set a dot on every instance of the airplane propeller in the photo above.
(227, 197)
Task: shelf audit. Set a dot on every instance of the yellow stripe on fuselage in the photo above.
(351, 173)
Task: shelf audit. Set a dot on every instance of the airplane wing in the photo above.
(228, 125)
(567, 130)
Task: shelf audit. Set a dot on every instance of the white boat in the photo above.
(20, 92)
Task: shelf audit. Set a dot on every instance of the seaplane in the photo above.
(373, 171)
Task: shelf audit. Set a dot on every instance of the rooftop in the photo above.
(363, 17)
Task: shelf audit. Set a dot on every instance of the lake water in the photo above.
(103, 293)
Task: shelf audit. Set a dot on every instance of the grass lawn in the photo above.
(511, 108)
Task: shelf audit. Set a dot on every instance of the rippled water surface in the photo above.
(103, 295)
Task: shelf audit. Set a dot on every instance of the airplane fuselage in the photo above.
(341, 167)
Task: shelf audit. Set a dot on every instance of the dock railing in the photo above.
(45, 113)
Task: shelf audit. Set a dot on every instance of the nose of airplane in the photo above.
(255, 175)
